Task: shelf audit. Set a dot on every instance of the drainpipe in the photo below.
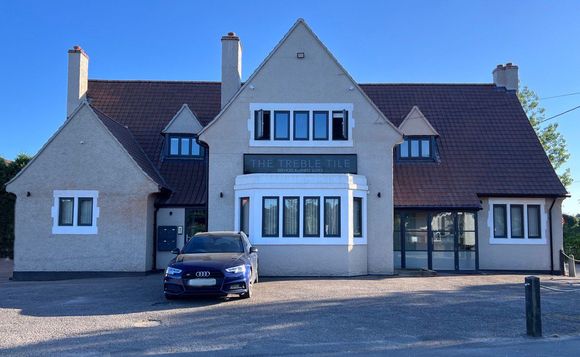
(551, 241)
(155, 238)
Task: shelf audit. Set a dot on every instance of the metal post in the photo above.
(571, 266)
(563, 263)
(533, 308)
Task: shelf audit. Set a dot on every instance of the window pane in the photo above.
(245, 215)
(425, 148)
(442, 221)
(499, 221)
(405, 148)
(331, 216)
(357, 216)
(174, 146)
(534, 222)
(185, 146)
(312, 216)
(339, 126)
(291, 217)
(416, 241)
(282, 125)
(262, 125)
(320, 125)
(85, 211)
(65, 211)
(414, 148)
(416, 221)
(517, 221)
(467, 241)
(195, 221)
(195, 148)
(301, 125)
(397, 240)
(466, 221)
(443, 240)
(270, 217)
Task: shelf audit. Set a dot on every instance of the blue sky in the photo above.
(376, 41)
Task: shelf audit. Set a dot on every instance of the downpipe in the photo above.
(551, 240)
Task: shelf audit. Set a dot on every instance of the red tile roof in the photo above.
(487, 146)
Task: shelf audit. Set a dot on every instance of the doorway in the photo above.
(436, 240)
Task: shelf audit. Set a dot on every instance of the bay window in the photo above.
(311, 216)
(332, 216)
(291, 216)
(270, 217)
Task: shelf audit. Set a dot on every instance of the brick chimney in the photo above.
(78, 78)
(506, 76)
(231, 66)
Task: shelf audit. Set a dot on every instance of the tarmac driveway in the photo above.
(447, 315)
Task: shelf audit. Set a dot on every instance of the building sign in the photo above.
(300, 164)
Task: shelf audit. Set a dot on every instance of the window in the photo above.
(85, 217)
(262, 125)
(332, 216)
(499, 221)
(270, 216)
(301, 125)
(195, 221)
(245, 215)
(184, 146)
(340, 125)
(74, 212)
(416, 148)
(320, 126)
(281, 125)
(311, 216)
(534, 222)
(291, 217)
(517, 221)
(65, 211)
(357, 216)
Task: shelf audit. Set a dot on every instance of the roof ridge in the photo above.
(425, 84)
(151, 81)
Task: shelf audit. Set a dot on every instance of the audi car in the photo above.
(213, 263)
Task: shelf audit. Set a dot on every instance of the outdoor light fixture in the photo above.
(171, 213)
(300, 55)
(252, 87)
(221, 194)
(379, 195)
(27, 193)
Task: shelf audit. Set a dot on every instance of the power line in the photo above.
(559, 114)
(561, 95)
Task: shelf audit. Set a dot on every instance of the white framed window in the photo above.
(75, 212)
(517, 221)
(301, 124)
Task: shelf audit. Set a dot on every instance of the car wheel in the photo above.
(171, 297)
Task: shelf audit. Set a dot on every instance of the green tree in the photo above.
(572, 235)
(8, 169)
(552, 140)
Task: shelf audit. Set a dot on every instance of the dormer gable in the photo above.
(183, 122)
(416, 124)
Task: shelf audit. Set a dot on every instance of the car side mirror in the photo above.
(176, 251)
(253, 250)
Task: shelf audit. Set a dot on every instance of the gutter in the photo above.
(551, 240)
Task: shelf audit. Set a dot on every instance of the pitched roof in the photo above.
(486, 145)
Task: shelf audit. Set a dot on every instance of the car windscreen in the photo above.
(205, 244)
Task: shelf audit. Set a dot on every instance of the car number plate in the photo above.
(201, 282)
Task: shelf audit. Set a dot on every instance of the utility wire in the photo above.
(559, 114)
(561, 95)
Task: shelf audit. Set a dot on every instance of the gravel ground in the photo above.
(445, 315)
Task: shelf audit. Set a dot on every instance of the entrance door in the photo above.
(435, 240)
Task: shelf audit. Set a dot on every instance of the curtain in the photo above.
(270, 217)
(66, 206)
(311, 214)
(291, 216)
(332, 216)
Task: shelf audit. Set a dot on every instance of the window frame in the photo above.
(287, 138)
(515, 240)
(522, 226)
(192, 139)
(358, 215)
(284, 234)
(242, 216)
(407, 140)
(339, 234)
(304, 199)
(259, 114)
(327, 137)
(539, 218)
(505, 219)
(277, 234)
(307, 112)
(75, 228)
(79, 199)
(344, 128)
(60, 212)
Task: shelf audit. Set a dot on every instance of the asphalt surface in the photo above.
(445, 315)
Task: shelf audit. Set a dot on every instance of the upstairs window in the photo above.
(340, 125)
(416, 148)
(184, 146)
(320, 125)
(282, 125)
(262, 124)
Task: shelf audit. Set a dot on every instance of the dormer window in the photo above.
(184, 146)
(417, 148)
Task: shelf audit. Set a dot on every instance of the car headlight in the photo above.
(237, 270)
(170, 271)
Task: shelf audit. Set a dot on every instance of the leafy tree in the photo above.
(552, 140)
(572, 235)
(8, 169)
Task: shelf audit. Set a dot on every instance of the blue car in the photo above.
(213, 263)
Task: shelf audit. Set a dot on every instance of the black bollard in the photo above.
(533, 308)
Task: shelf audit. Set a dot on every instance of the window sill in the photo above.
(82, 230)
(517, 241)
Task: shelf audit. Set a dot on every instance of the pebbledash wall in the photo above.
(301, 83)
(122, 237)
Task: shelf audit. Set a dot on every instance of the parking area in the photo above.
(451, 315)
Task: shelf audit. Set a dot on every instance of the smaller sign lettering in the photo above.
(281, 163)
